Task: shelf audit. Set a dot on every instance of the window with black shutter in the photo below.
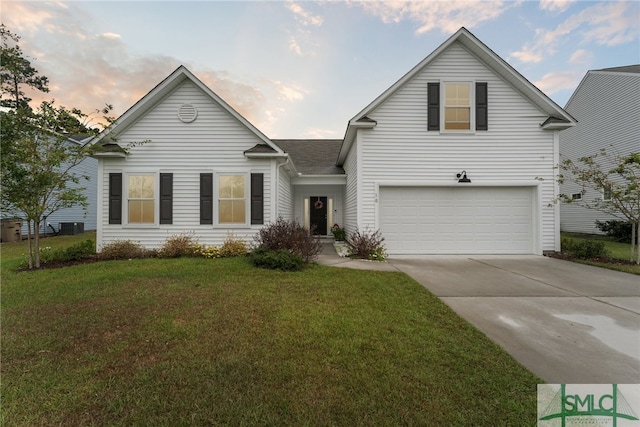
(433, 106)
(166, 198)
(481, 107)
(206, 198)
(115, 198)
(257, 198)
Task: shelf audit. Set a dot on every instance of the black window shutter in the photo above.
(433, 106)
(257, 198)
(115, 198)
(481, 107)
(166, 198)
(206, 198)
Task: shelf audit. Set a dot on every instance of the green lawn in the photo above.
(219, 342)
(617, 250)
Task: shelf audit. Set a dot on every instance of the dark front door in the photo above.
(318, 215)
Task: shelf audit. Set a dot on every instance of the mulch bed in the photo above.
(60, 264)
(570, 257)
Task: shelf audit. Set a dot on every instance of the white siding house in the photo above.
(75, 219)
(606, 105)
(191, 167)
(461, 111)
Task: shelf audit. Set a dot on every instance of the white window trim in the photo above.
(604, 194)
(156, 200)
(576, 196)
(216, 200)
(472, 106)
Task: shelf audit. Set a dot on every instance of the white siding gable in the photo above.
(213, 143)
(401, 150)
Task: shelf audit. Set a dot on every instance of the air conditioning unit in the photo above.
(69, 228)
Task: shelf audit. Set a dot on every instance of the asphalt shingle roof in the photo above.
(313, 156)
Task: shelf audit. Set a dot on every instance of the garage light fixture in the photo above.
(462, 177)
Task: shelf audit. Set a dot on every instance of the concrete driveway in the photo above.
(568, 323)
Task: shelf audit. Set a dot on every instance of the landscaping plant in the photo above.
(366, 245)
(291, 236)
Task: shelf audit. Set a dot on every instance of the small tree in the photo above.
(38, 175)
(621, 182)
(37, 158)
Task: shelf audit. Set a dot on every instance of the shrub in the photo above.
(338, 233)
(81, 250)
(233, 246)
(585, 249)
(280, 259)
(84, 249)
(177, 246)
(291, 236)
(205, 251)
(123, 249)
(620, 230)
(366, 245)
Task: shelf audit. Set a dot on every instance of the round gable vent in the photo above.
(187, 113)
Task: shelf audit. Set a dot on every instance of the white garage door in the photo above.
(457, 220)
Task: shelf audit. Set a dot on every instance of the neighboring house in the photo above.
(606, 105)
(75, 219)
(206, 170)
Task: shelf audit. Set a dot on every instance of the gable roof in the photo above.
(158, 93)
(313, 156)
(560, 118)
(625, 71)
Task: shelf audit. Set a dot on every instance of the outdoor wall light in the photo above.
(462, 177)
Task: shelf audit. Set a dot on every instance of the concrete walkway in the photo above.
(329, 256)
(568, 323)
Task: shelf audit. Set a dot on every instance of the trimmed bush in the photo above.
(280, 259)
(366, 245)
(585, 249)
(291, 236)
(178, 245)
(123, 249)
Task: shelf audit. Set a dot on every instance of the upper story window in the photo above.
(457, 106)
(606, 193)
(141, 202)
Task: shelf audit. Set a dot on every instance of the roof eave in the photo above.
(350, 135)
(556, 125)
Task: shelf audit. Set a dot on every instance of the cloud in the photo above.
(303, 16)
(557, 81)
(609, 24)
(446, 16)
(581, 57)
(290, 92)
(111, 35)
(88, 70)
(555, 5)
(320, 133)
(301, 35)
